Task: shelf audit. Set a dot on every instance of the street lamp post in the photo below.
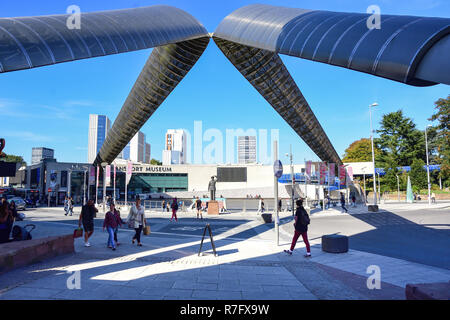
(428, 166)
(292, 179)
(364, 178)
(379, 188)
(373, 155)
(104, 164)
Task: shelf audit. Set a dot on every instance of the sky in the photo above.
(50, 106)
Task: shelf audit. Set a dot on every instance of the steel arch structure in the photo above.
(178, 38)
(411, 50)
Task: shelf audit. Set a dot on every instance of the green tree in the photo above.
(360, 151)
(418, 175)
(14, 158)
(440, 138)
(400, 142)
(155, 162)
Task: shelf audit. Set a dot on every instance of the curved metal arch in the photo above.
(165, 68)
(30, 42)
(179, 41)
(270, 77)
(396, 51)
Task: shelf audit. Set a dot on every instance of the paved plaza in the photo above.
(249, 265)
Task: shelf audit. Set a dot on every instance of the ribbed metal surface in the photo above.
(29, 42)
(343, 39)
(267, 73)
(165, 68)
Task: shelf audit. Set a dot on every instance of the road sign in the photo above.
(277, 168)
(49, 190)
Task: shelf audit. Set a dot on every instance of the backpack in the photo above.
(304, 218)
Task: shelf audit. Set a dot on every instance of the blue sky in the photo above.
(50, 106)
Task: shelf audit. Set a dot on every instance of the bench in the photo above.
(17, 254)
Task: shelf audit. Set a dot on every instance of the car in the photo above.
(20, 203)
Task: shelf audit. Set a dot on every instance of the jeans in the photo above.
(344, 208)
(174, 214)
(111, 237)
(137, 236)
(116, 229)
(305, 240)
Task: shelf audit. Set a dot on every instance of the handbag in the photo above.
(146, 230)
(77, 233)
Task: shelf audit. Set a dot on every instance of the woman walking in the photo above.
(174, 207)
(110, 223)
(301, 228)
(136, 219)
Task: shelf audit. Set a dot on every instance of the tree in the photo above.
(14, 158)
(418, 175)
(155, 162)
(400, 142)
(360, 151)
(440, 142)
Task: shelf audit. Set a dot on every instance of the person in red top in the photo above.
(110, 223)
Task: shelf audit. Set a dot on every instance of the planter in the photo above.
(267, 217)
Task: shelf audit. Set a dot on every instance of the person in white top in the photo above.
(136, 220)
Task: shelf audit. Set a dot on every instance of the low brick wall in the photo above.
(21, 253)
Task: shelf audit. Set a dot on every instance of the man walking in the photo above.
(87, 215)
(198, 204)
(343, 203)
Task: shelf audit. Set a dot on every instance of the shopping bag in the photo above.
(146, 230)
(77, 233)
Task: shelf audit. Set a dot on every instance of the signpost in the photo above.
(277, 171)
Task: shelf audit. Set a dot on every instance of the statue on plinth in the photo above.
(212, 188)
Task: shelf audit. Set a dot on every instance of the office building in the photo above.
(37, 154)
(147, 157)
(175, 147)
(246, 149)
(99, 125)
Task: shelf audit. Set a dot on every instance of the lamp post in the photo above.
(104, 164)
(398, 188)
(364, 178)
(428, 166)
(292, 178)
(379, 188)
(373, 155)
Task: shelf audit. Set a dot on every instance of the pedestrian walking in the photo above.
(119, 223)
(198, 204)
(88, 212)
(328, 202)
(136, 220)
(110, 223)
(163, 206)
(66, 205)
(433, 198)
(174, 207)
(70, 203)
(301, 228)
(280, 204)
(343, 203)
(167, 206)
(353, 200)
